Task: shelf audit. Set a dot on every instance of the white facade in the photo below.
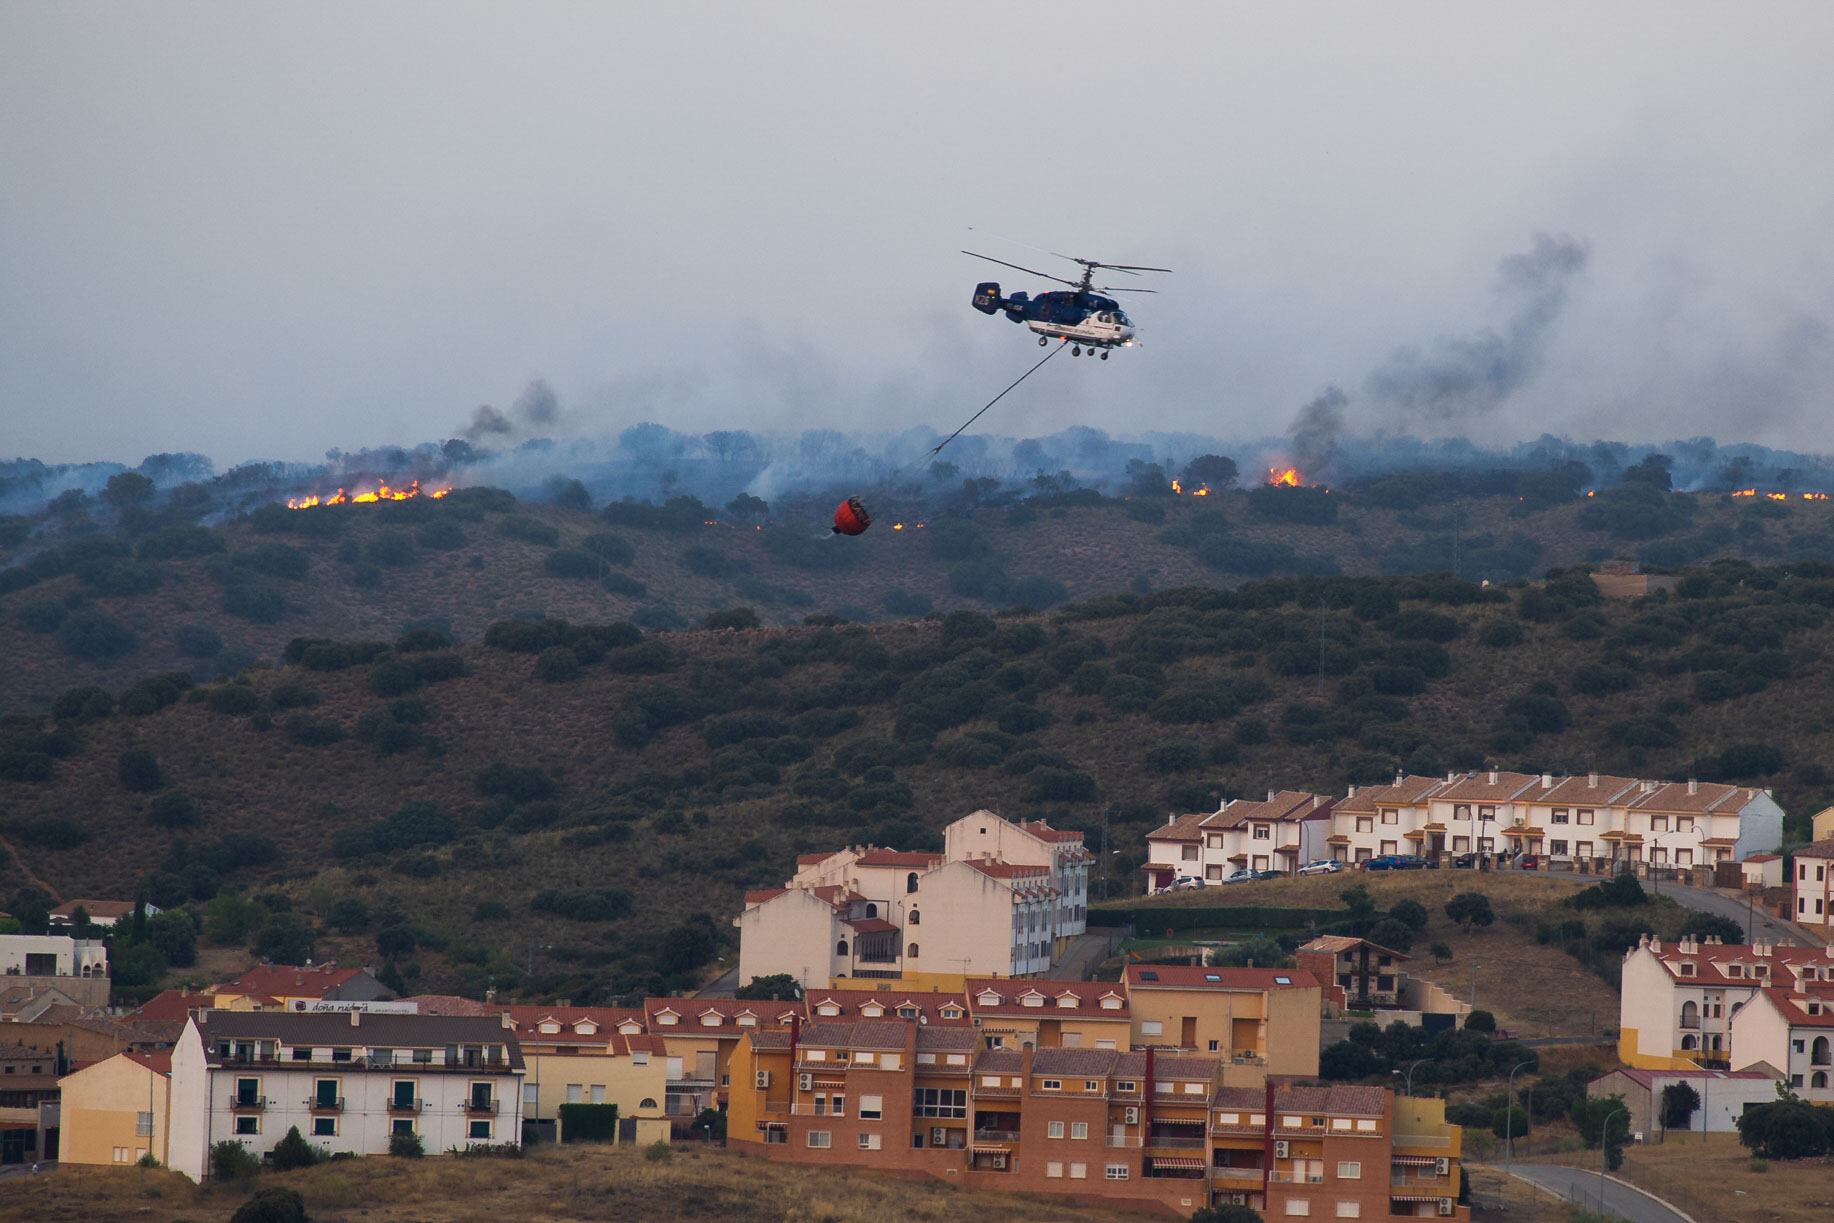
(1284, 833)
(102, 916)
(1678, 1000)
(52, 955)
(249, 1077)
(1792, 1031)
(1000, 901)
(1812, 885)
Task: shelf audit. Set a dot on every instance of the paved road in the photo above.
(722, 986)
(1734, 908)
(1082, 955)
(1582, 1188)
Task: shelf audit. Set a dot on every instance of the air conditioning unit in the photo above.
(805, 1082)
(1131, 1116)
(1446, 1206)
(1235, 1199)
(761, 1079)
(1442, 1166)
(1282, 1148)
(999, 1161)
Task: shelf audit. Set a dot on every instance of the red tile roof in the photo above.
(1693, 797)
(1009, 992)
(1007, 870)
(1361, 1101)
(872, 925)
(1285, 806)
(1480, 788)
(1711, 960)
(1044, 832)
(452, 1004)
(1335, 943)
(528, 1018)
(1794, 1008)
(693, 1011)
(158, 1063)
(1184, 976)
(1817, 849)
(170, 1004)
(1184, 828)
(108, 909)
(851, 1003)
(1592, 790)
(287, 981)
(1404, 792)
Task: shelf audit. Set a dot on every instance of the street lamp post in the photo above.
(1509, 1116)
(1474, 967)
(1408, 1079)
(1604, 1141)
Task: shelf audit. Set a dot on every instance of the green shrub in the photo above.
(405, 1146)
(273, 1204)
(90, 635)
(231, 1161)
(174, 810)
(138, 770)
(557, 665)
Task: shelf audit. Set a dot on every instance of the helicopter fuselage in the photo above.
(1088, 319)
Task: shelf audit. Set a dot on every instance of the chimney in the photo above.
(490, 995)
(1270, 796)
(1493, 777)
(356, 1017)
(1352, 793)
(1450, 777)
(1693, 786)
(1592, 780)
(1547, 781)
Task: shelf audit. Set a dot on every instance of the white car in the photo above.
(1324, 866)
(1183, 883)
(1242, 875)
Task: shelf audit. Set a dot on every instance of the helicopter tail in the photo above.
(987, 297)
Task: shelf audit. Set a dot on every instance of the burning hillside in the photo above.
(382, 492)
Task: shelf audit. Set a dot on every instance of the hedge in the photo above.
(588, 1122)
(1245, 917)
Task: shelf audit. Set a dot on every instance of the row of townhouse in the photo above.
(349, 1081)
(1706, 1003)
(1595, 820)
(1002, 898)
(1141, 1127)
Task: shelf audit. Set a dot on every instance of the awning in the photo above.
(1525, 832)
(1416, 1161)
(1238, 857)
(873, 925)
(1195, 1165)
(1179, 1121)
(1339, 839)
(1721, 842)
(1433, 827)
(1415, 834)
(1416, 1197)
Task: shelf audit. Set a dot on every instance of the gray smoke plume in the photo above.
(1470, 375)
(485, 422)
(538, 406)
(1315, 432)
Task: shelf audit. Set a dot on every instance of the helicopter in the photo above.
(1084, 317)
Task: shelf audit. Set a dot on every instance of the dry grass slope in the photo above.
(551, 1185)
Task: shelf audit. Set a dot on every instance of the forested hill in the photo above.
(605, 794)
(107, 594)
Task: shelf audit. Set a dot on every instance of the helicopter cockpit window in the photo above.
(1120, 316)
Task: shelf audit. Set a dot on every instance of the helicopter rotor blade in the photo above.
(1028, 271)
(1112, 289)
(1027, 245)
(1128, 267)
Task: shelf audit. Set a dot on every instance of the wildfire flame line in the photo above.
(1288, 476)
(382, 492)
(1777, 496)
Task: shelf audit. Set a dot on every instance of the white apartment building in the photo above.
(1283, 833)
(1679, 1000)
(999, 901)
(52, 955)
(349, 1081)
(1792, 1031)
(1812, 884)
(1594, 819)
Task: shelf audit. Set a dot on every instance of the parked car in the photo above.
(1241, 876)
(1527, 862)
(1183, 883)
(1267, 874)
(1395, 862)
(1465, 861)
(1324, 866)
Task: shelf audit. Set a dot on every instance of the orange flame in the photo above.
(1288, 476)
(897, 526)
(382, 492)
(1752, 492)
(1177, 488)
(1745, 492)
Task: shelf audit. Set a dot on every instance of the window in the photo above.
(1053, 1129)
(1298, 1206)
(143, 1125)
(1263, 832)
(910, 882)
(1079, 1130)
(1126, 1086)
(939, 1102)
(1461, 844)
(1562, 816)
(1349, 1170)
(1486, 813)
(1052, 1085)
(1079, 1172)
(1114, 1172)
(248, 1091)
(302, 1055)
(1557, 848)
(872, 1108)
(598, 1093)
(324, 1127)
(840, 948)
(863, 1059)
(1585, 815)
(1390, 815)
(1365, 823)
(1365, 1127)
(868, 1142)
(1461, 811)
(1213, 1045)
(1054, 1169)
(820, 1140)
(1151, 1027)
(1091, 1086)
(248, 1125)
(1349, 1210)
(1658, 823)
(916, 918)
(531, 1094)
(1195, 1089)
(400, 1125)
(837, 1106)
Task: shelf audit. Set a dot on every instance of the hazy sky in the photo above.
(262, 230)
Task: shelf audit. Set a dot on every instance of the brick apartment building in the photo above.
(1144, 1127)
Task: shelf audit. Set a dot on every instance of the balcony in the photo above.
(810, 1110)
(1176, 1142)
(1007, 1092)
(481, 1107)
(1427, 1142)
(1296, 1178)
(995, 1137)
(398, 1105)
(1118, 1141)
(247, 1104)
(326, 1104)
(1690, 1023)
(1235, 1175)
(1254, 1131)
